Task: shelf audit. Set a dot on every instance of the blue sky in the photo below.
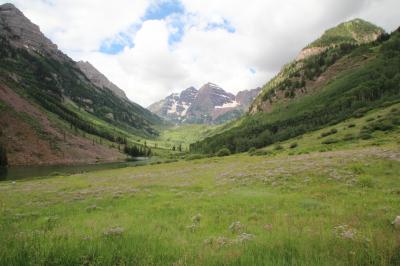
(157, 11)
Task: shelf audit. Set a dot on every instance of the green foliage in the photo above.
(351, 125)
(252, 150)
(278, 147)
(353, 32)
(328, 133)
(223, 152)
(293, 145)
(348, 137)
(330, 141)
(50, 81)
(365, 182)
(358, 90)
(261, 153)
(137, 150)
(192, 157)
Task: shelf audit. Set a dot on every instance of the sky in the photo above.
(152, 48)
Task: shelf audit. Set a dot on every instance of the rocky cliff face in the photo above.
(99, 79)
(209, 104)
(175, 106)
(22, 33)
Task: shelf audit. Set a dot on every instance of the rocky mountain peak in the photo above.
(99, 79)
(209, 104)
(22, 33)
(356, 31)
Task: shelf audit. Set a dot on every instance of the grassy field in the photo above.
(307, 207)
(185, 134)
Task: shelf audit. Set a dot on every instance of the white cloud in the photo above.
(267, 35)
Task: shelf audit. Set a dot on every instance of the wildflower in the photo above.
(268, 227)
(114, 231)
(396, 222)
(196, 218)
(244, 237)
(236, 227)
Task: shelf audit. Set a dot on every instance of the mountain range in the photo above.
(54, 110)
(208, 105)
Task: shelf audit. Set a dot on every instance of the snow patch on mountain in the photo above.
(228, 105)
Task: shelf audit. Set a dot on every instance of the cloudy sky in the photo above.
(151, 48)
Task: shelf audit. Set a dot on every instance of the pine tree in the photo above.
(3, 157)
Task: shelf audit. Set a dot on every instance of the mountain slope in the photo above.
(344, 80)
(38, 75)
(353, 32)
(99, 79)
(208, 105)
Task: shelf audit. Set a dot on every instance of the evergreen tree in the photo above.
(3, 157)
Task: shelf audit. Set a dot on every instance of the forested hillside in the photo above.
(343, 81)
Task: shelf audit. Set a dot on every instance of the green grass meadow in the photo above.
(320, 208)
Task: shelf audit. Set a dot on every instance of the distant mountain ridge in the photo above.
(209, 105)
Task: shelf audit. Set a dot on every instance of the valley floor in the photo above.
(320, 208)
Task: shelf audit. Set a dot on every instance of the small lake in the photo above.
(23, 172)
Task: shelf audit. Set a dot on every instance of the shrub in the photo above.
(3, 156)
(195, 157)
(252, 150)
(223, 152)
(278, 147)
(360, 112)
(365, 135)
(383, 125)
(293, 145)
(261, 153)
(348, 137)
(328, 133)
(330, 141)
(365, 182)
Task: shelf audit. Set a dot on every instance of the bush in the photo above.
(293, 145)
(330, 141)
(252, 150)
(349, 137)
(330, 132)
(365, 182)
(383, 125)
(195, 157)
(261, 153)
(360, 112)
(278, 147)
(223, 152)
(365, 135)
(3, 157)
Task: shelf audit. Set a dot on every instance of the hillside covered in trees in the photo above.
(340, 82)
